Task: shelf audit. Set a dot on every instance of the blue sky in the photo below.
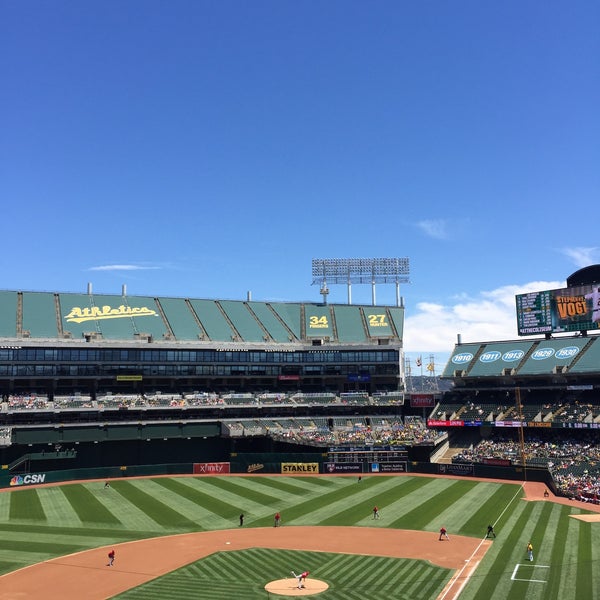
(207, 149)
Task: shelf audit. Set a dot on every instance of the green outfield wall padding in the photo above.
(39, 435)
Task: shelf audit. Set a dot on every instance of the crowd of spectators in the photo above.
(573, 463)
(34, 401)
(375, 431)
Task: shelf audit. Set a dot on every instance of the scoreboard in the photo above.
(534, 314)
(367, 454)
(557, 311)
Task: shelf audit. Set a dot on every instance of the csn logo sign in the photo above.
(462, 358)
(28, 479)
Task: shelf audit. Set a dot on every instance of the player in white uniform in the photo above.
(594, 298)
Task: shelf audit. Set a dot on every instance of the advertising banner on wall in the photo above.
(388, 467)
(342, 467)
(290, 468)
(455, 469)
(213, 468)
(422, 401)
(445, 423)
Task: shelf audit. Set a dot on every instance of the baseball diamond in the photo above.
(148, 425)
(327, 527)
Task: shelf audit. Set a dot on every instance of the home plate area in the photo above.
(289, 587)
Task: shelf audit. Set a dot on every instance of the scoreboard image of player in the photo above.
(559, 311)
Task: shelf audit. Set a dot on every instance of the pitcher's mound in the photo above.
(289, 587)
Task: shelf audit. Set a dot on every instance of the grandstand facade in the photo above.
(115, 376)
(64, 344)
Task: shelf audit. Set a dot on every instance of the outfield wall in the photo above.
(272, 464)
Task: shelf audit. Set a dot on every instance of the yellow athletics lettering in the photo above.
(80, 315)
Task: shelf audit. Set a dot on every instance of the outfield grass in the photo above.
(42, 523)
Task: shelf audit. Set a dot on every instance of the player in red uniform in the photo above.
(301, 578)
(111, 558)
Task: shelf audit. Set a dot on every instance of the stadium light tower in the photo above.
(360, 270)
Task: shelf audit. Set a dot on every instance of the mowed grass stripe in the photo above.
(187, 500)
(427, 511)
(241, 490)
(58, 512)
(595, 566)
(132, 517)
(583, 582)
(370, 566)
(204, 499)
(545, 517)
(50, 548)
(158, 511)
(383, 495)
(7, 566)
(560, 553)
(125, 534)
(87, 506)
(356, 504)
(302, 508)
(489, 511)
(234, 503)
(5, 499)
(568, 566)
(497, 579)
(289, 485)
(289, 493)
(26, 505)
(423, 489)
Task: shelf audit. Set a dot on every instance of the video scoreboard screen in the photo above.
(558, 311)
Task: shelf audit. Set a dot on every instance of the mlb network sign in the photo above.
(27, 479)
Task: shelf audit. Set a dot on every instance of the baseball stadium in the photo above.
(169, 431)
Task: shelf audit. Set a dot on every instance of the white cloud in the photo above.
(582, 257)
(435, 228)
(122, 268)
(491, 316)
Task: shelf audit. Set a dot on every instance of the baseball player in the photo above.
(301, 578)
(594, 299)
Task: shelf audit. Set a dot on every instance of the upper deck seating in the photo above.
(180, 318)
(349, 324)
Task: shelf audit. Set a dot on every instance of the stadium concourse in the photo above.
(109, 382)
